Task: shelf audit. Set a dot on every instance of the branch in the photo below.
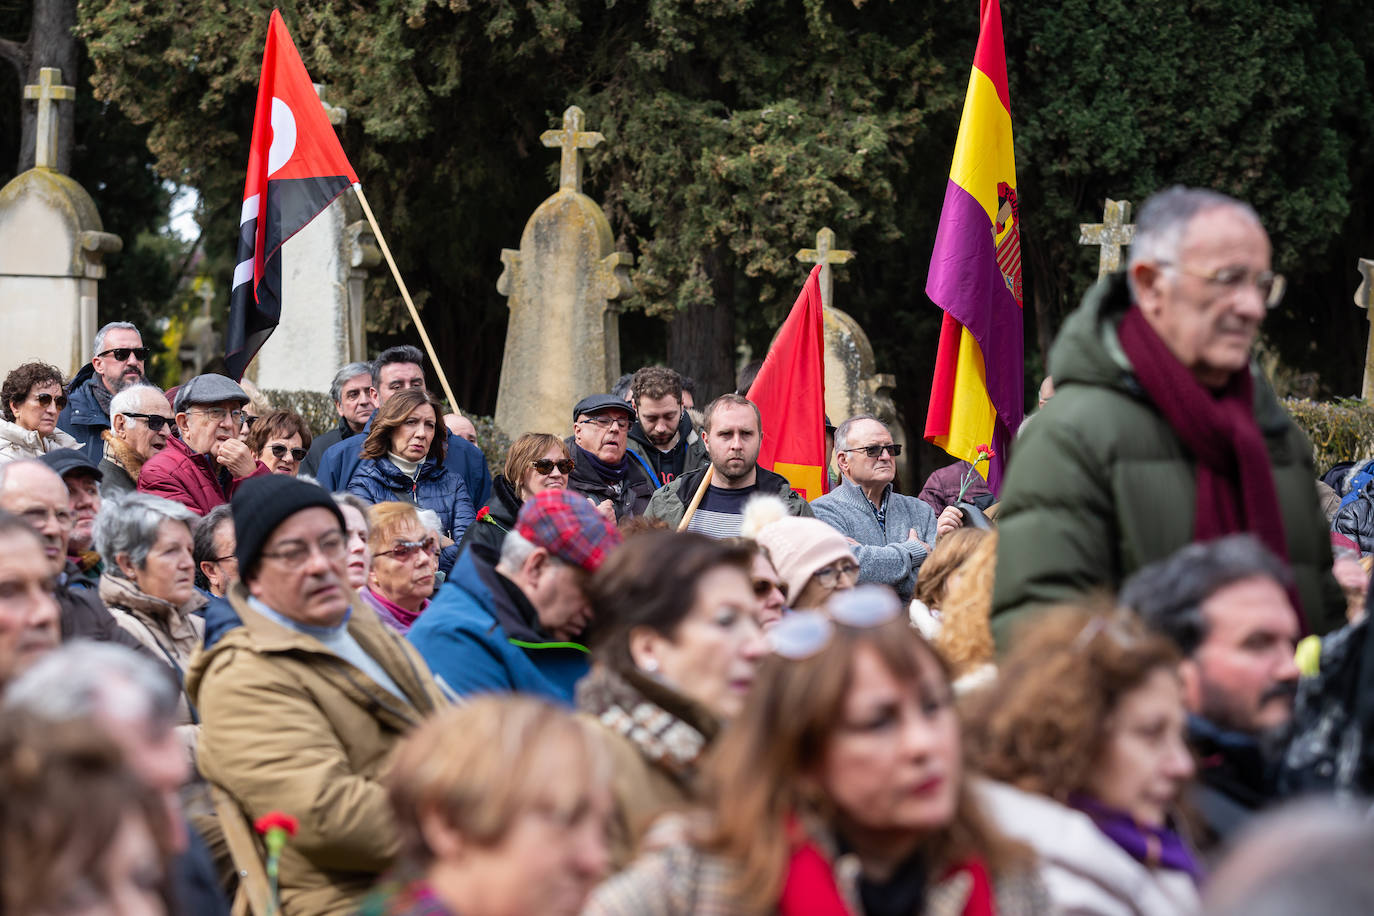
(13, 52)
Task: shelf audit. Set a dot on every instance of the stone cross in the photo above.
(572, 138)
(1114, 231)
(48, 93)
(825, 253)
(1364, 298)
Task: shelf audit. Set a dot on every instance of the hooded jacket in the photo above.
(487, 535)
(16, 442)
(647, 453)
(1101, 485)
(190, 478)
(670, 502)
(83, 417)
(434, 487)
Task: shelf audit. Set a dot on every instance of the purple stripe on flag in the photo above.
(965, 281)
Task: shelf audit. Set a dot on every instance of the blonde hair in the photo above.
(949, 555)
(965, 638)
(384, 519)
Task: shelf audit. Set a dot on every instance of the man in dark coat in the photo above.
(351, 392)
(603, 471)
(118, 363)
(662, 436)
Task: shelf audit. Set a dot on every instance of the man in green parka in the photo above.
(1162, 432)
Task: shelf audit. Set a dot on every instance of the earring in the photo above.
(650, 665)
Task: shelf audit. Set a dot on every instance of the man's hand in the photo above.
(237, 457)
(949, 519)
(606, 509)
(911, 535)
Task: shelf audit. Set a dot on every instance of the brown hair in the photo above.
(950, 553)
(20, 382)
(525, 451)
(756, 774)
(656, 382)
(737, 400)
(383, 519)
(279, 424)
(394, 413)
(1043, 726)
(965, 638)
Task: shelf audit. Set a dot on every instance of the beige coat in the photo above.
(286, 725)
(17, 442)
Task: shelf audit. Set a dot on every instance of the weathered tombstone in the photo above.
(563, 338)
(1364, 298)
(324, 267)
(52, 246)
(1115, 231)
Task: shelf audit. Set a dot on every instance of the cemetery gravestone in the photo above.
(1364, 298)
(1115, 231)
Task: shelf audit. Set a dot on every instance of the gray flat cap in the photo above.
(208, 389)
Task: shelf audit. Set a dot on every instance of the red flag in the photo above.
(790, 393)
(296, 168)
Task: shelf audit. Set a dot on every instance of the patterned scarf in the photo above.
(668, 729)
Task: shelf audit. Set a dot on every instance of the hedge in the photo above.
(1340, 430)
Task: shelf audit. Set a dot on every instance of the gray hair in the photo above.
(1164, 218)
(515, 550)
(348, 499)
(112, 326)
(83, 679)
(621, 388)
(344, 376)
(1169, 594)
(128, 524)
(844, 429)
(203, 539)
(131, 399)
(430, 520)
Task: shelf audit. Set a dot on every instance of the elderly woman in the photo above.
(838, 789)
(674, 657)
(535, 462)
(356, 528)
(32, 398)
(1084, 733)
(403, 459)
(502, 807)
(149, 583)
(769, 591)
(280, 440)
(405, 558)
(814, 560)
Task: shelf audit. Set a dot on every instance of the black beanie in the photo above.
(262, 503)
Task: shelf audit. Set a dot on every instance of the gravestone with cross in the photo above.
(1114, 232)
(563, 337)
(52, 249)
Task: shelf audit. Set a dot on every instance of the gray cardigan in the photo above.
(885, 556)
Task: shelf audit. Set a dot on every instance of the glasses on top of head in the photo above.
(46, 398)
(1271, 285)
(802, 634)
(873, 451)
(605, 421)
(219, 413)
(154, 421)
(404, 550)
(122, 353)
(332, 546)
(546, 465)
(829, 576)
(297, 454)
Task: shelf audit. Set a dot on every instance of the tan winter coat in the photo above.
(289, 726)
(17, 442)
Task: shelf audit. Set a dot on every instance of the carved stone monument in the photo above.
(52, 247)
(1115, 231)
(563, 338)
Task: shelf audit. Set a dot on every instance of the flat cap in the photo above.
(208, 389)
(593, 403)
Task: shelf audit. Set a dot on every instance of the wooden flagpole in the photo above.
(405, 294)
(696, 499)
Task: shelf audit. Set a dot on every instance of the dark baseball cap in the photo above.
(595, 403)
(69, 461)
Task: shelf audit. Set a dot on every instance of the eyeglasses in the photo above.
(249, 420)
(45, 399)
(829, 576)
(546, 465)
(122, 353)
(404, 550)
(802, 634)
(297, 454)
(154, 421)
(1271, 286)
(873, 451)
(606, 422)
(763, 586)
(226, 558)
(332, 546)
(219, 413)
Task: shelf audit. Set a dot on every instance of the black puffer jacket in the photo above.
(485, 536)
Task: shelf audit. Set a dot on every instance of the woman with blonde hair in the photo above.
(534, 463)
(939, 573)
(965, 636)
(405, 563)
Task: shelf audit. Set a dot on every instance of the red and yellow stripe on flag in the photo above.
(977, 395)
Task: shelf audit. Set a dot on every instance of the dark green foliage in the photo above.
(1340, 430)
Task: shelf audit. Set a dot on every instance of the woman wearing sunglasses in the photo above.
(280, 440)
(535, 462)
(676, 646)
(403, 460)
(814, 560)
(32, 396)
(838, 789)
(405, 559)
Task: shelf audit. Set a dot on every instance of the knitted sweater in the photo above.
(885, 555)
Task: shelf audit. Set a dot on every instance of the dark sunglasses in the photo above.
(404, 550)
(762, 587)
(122, 353)
(280, 451)
(45, 399)
(154, 422)
(546, 465)
(873, 451)
(249, 420)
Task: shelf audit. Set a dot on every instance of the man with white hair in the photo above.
(141, 420)
(118, 361)
(354, 402)
(1161, 432)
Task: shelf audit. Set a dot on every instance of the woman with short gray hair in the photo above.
(149, 581)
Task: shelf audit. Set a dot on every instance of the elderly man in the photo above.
(28, 609)
(1160, 431)
(118, 363)
(204, 467)
(894, 533)
(83, 479)
(662, 436)
(302, 706)
(731, 431)
(512, 626)
(1225, 604)
(602, 469)
(141, 421)
(351, 392)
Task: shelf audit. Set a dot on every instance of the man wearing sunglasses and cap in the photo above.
(141, 421)
(119, 361)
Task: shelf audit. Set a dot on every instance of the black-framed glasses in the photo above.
(47, 398)
(546, 465)
(1271, 285)
(248, 420)
(226, 558)
(122, 353)
(332, 546)
(802, 634)
(297, 454)
(829, 576)
(404, 550)
(155, 422)
(873, 451)
(606, 422)
(219, 413)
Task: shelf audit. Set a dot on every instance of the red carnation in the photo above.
(984, 450)
(276, 820)
(483, 513)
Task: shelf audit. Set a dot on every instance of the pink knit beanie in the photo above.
(799, 547)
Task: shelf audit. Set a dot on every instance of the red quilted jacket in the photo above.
(188, 477)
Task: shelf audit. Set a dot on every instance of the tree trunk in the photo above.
(701, 339)
(51, 44)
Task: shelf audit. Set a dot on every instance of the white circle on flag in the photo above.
(283, 136)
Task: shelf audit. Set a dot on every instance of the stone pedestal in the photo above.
(854, 386)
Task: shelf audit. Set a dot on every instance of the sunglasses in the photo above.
(802, 634)
(546, 465)
(763, 586)
(874, 451)
(297, 454)
(404, 550)
(155, 423)
(45, 399)
(249, 420)
(122, 353)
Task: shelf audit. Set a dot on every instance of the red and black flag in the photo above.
(296, 168)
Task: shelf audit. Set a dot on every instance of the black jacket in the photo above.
(84, 616)
(629, 498)
(1235, 781)
(486, 535)
(318, 446)
(83, 417)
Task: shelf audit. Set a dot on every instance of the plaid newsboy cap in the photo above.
(568, 526)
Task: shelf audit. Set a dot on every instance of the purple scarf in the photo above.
(607, 472)
(1155, 847)
(391, 613)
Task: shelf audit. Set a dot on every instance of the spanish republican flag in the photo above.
(790, 394)
(977, 396)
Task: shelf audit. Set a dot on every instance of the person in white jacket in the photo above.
(32, 399)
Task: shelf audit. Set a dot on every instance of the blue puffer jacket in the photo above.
(82, 418)
(434, 486)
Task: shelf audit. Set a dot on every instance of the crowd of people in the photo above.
(246, 667)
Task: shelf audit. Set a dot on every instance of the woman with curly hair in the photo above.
(32, 398)
(1084, 734)
(964, 636)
